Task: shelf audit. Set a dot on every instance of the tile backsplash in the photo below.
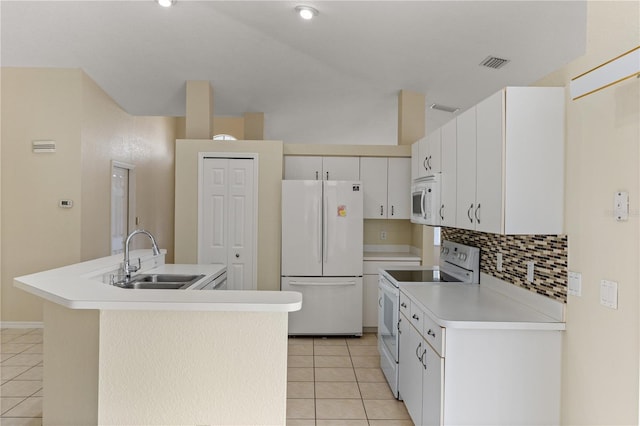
(549, 252)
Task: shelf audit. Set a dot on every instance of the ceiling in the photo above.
(331, 80)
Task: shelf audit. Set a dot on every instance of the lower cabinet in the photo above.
(370, 288)
(465, 375)
(421, 374)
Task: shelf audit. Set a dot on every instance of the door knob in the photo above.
(237, 254)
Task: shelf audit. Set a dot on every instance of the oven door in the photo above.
(388, 299)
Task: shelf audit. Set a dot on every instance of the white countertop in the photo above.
(473, 306)
(85, 286)
(390, 256)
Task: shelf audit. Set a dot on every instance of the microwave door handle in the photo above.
(424, 213)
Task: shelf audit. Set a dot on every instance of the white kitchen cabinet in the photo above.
(429, 149)
(321, 168)
(510, 162)
(477, 375)
(448, 176)
(370, 300)
(387, 185)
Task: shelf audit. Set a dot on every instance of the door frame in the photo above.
(230, 156)
(131, 220)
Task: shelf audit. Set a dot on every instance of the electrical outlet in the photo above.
(499, 262)
(575, 283)
(530, 270)
(609, 294)
(383, 235)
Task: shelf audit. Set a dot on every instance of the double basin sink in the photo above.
(161, 281)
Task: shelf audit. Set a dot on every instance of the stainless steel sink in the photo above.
(161, 281)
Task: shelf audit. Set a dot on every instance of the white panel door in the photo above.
(489, 160)
(302, 168)
(240, 261)
(448, 180)
(119, 208)
(398, 188)
(302, 228)
(343, 228)
(373, 174)
(227, 234)
(466, 169)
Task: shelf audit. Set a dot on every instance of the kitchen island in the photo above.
(125, 356)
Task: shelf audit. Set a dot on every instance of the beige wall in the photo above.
(233, 126)
(269, 200)
(89, 129)
(398, 231)
(601, 355)
(109, 133)
(36, 233)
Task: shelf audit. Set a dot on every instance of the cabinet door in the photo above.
(435, 148)
(423, 156)
(466, 169)
(373, 174)
(398, 189)
(410, 369)
(341, 168)
(370, 301)
(415, 161)
(448, 179)
(432, 381)
(489, 148)
(302, 168)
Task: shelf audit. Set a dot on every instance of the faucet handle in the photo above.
(135, 268)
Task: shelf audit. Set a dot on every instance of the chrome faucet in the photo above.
(128, 268)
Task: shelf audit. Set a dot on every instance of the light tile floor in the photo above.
(331, 381)
(338, 381)
(21, 377)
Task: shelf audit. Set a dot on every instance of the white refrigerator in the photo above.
(322, 244)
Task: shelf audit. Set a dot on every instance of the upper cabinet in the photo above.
(428, 158)
(448, 162)
(386, 183)
(510, 162)
(321, 168)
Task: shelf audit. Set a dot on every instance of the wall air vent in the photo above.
(444, 108)
(494, 62)
(43, 146)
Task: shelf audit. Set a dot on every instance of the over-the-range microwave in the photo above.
(425, 200)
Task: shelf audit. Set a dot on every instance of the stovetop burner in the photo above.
(421, 276)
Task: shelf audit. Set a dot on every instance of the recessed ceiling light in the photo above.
(166, 3)
(307, 12)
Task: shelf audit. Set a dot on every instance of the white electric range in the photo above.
(458, 263)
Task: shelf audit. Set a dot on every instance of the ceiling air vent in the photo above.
(452, 110)
(494, 62)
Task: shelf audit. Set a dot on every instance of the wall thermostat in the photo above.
(65, 204)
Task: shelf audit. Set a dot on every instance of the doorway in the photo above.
(227, 216)
(122, 203)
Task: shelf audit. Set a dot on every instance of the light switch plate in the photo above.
(621, 206)
(575, 283)
(609, 294)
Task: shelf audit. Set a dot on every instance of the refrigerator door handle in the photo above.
(319, 283)
(319, 231)
(325, 219)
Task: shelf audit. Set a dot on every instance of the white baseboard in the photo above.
(21, 324)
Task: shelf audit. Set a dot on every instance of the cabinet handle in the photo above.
(381, 210)
(404, 305)
(237, 255)
(429, 162)
(415, 317)
(476, 213)
(316, 175)
(441, 215)
(431, 333)
(380, 301)
(469, 213)
(424, 163)
(392, 211)
(418, 350)
(398, 325)
(423, 359)
(327, 175)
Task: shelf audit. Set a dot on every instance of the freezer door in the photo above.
(343, 228)
(302, 227)
(330, 306)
